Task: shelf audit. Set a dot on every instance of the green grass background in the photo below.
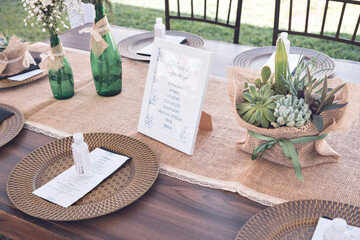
(256, 27)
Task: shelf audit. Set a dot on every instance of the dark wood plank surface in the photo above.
(171, 209)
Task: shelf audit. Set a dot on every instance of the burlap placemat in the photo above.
(216, 162)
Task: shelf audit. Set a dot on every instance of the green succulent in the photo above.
(265, 77)
(314, 91)
(258, 109)
(281, 66)
(291, 111)
(321, 100)
(296, 82)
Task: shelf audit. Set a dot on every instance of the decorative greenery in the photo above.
(320, 102)
(291, 111)
(315, 91)
(308, 96)
(4, 41)
(296, 84)
(259, 106)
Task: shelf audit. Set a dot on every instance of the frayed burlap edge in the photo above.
(98, 47)
(179, 174)
(310, 154)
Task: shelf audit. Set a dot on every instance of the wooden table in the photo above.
(171, 209)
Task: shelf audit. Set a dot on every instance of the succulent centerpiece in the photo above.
(296, 110)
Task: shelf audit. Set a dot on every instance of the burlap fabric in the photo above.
(54, 59)
(311, 153)
(216, 161)
(98, 46)
(12, 58)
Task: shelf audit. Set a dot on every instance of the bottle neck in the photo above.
(54, 40)
(99, 12)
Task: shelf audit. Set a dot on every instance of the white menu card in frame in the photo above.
(174, 94)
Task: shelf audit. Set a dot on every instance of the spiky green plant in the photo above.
(320, 100)
(296, 82)
(291, 111)
(258, 109)
(281, 66)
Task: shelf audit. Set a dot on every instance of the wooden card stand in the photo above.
(205, 122)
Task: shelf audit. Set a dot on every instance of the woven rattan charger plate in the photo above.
(295, 220)
(6, 83)
(119, 190)
(11, 126)
(129, 46)
(255, 58)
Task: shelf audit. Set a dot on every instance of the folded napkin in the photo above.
(4, 114)
(36, 56)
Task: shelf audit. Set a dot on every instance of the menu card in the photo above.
(24, 76)
(68, 187)
(325, 223)
(174, 94)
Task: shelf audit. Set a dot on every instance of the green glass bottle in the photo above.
(61, 81)
(106, 69)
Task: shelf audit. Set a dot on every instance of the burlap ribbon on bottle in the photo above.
(309, 153)
(99, 29)
(53, 59)
(15, 58)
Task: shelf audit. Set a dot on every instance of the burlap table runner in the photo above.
(216, 162)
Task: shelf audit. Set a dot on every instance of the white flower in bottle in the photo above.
(46, 2)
